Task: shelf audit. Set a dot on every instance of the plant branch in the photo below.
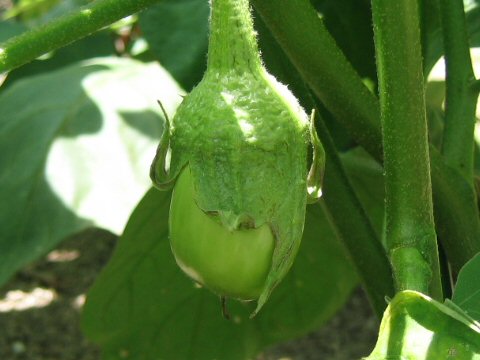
(356, 232)
(461, 100)
(410, 229)
(68, 28)
(359, 112)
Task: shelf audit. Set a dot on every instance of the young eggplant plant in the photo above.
(237, 152)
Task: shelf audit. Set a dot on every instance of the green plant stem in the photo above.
(359, 112)
(368, 257)
(230, 21)
(410, 229)
(461, 100)
(30, 45)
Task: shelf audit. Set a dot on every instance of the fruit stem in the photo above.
(232, 44)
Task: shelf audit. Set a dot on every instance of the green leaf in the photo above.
(431, 33)
(142, 305)
(350, 24)
(473, 25)
(467, 289)
(416, 327)
(177, 34)
(28, 9)
(76, 147)
(61, 8)
(316, 286)
(367, 179)
(9, 29)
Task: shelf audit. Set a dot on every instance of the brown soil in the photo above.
(59, 281)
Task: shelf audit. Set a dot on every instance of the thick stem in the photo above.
(232, 43)
(347, 98)
(461, 100)
(66, 29)
(410, 230)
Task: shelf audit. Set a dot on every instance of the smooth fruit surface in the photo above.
(230, 263)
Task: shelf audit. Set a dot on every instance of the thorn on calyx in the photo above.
(164, 111)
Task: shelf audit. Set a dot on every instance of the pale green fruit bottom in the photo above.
(230, 263)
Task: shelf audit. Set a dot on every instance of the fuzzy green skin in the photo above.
(247, 149)
(245, 139)
(246, 146)
(211, 254)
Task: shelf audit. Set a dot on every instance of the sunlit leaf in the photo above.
(416, 327)
(76, 146)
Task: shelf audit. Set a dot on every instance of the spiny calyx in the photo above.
(243, 139)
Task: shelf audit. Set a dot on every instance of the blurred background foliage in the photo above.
(79, 127)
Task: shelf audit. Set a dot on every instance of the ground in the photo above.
(40, 311)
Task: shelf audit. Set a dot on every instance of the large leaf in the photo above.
(9, 29)
(367, 179)
(467, 289)
(350, 24)
(143, 306)
(431, 32)
(75, 148)
(416, 327)
(177, 34)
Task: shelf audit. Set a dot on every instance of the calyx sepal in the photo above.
(245, 140)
